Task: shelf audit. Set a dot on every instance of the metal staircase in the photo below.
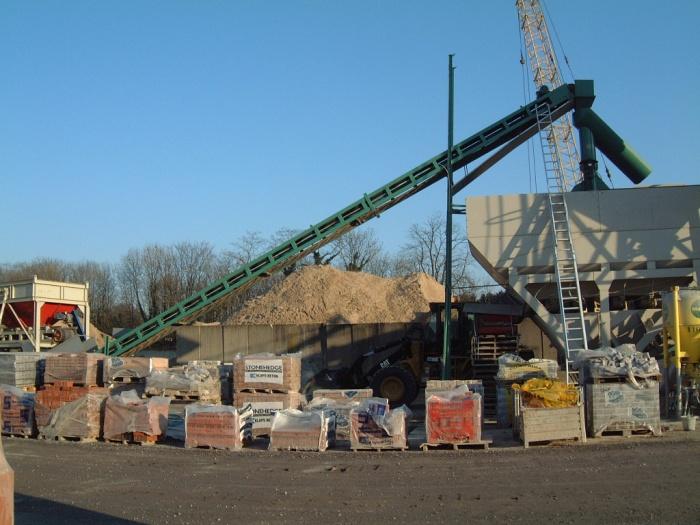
(566, 270)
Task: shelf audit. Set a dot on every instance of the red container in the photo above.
(453, 419)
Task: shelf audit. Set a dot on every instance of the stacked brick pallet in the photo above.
(373, 426)
(296, 430)
(21, 369)
(17, 411)
(340, 402)
(621, 388)
(217, 426)
(71, 402)
(7, 491)
(453, 414)
(130, 419)
(266, 383)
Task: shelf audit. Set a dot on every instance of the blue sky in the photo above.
(126, 123)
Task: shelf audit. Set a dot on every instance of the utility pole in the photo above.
(447, 338)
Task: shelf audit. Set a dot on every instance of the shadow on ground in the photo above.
(30, 510)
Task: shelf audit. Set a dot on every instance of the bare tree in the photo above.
(425, 252)
(357, 249)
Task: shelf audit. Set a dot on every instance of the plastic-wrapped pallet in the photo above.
(341, 411)
(189, 381)
(82, 368)
(264, 406)
(277, 373)
(127, 416)
(81, 418)
(512, 367)
(296, 430)
(52, 397)
(7, 491)
(374, 426)
(622, 407)
(622, 362)
(131, 369)
(17, 411)
(343, 394)
(21, 368)
(217, 426)
(453, 416)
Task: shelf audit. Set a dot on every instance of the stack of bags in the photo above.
(217, 426)
(266, 383)
(17, 411)
(128, 418)
(374, 426)
(130, 373)
(188, 382)
(339, 402)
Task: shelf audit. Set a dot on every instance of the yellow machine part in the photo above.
(548, 393)
(688, 315)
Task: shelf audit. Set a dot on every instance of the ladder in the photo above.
(565, 268)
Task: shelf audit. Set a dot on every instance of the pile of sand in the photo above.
(323, 294)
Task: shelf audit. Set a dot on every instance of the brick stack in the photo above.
(224, 372)
(296, 430)
(80, 419)
(340, 402)
(373, 426)
(131, 419)
(217, 426)
(81, 368)
(21, 369)
(266, 383)
(453, 417)
(52, 397)
(17, 411)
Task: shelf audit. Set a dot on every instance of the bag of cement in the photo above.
(127, 413)
(217, 426)
(512, 367)
(17, 411)
(296, 430)
(622, 361)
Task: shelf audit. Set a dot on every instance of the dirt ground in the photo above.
(637, 480)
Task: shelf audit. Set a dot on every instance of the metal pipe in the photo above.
(448, 228)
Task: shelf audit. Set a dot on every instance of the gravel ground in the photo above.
(638, 480)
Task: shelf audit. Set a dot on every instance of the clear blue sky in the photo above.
(126, 123)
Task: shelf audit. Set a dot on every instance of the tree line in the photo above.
(148, 280)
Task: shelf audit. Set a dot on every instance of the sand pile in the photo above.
(323, 294)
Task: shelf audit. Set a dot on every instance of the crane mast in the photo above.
(561, 167)
(544, 67)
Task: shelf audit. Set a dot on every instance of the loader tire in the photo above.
(396, 384)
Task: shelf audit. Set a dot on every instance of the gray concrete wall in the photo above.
(322, 346)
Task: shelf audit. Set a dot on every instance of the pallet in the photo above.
(260, 391)
(127, 380)
(178, 395)
(483, 445)
(294, 449)
(378, 449)
(137, 438)
(28, 388)
(628, 432)
(603, 380)
(17, 435)
(74, 439)
(70, 384)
